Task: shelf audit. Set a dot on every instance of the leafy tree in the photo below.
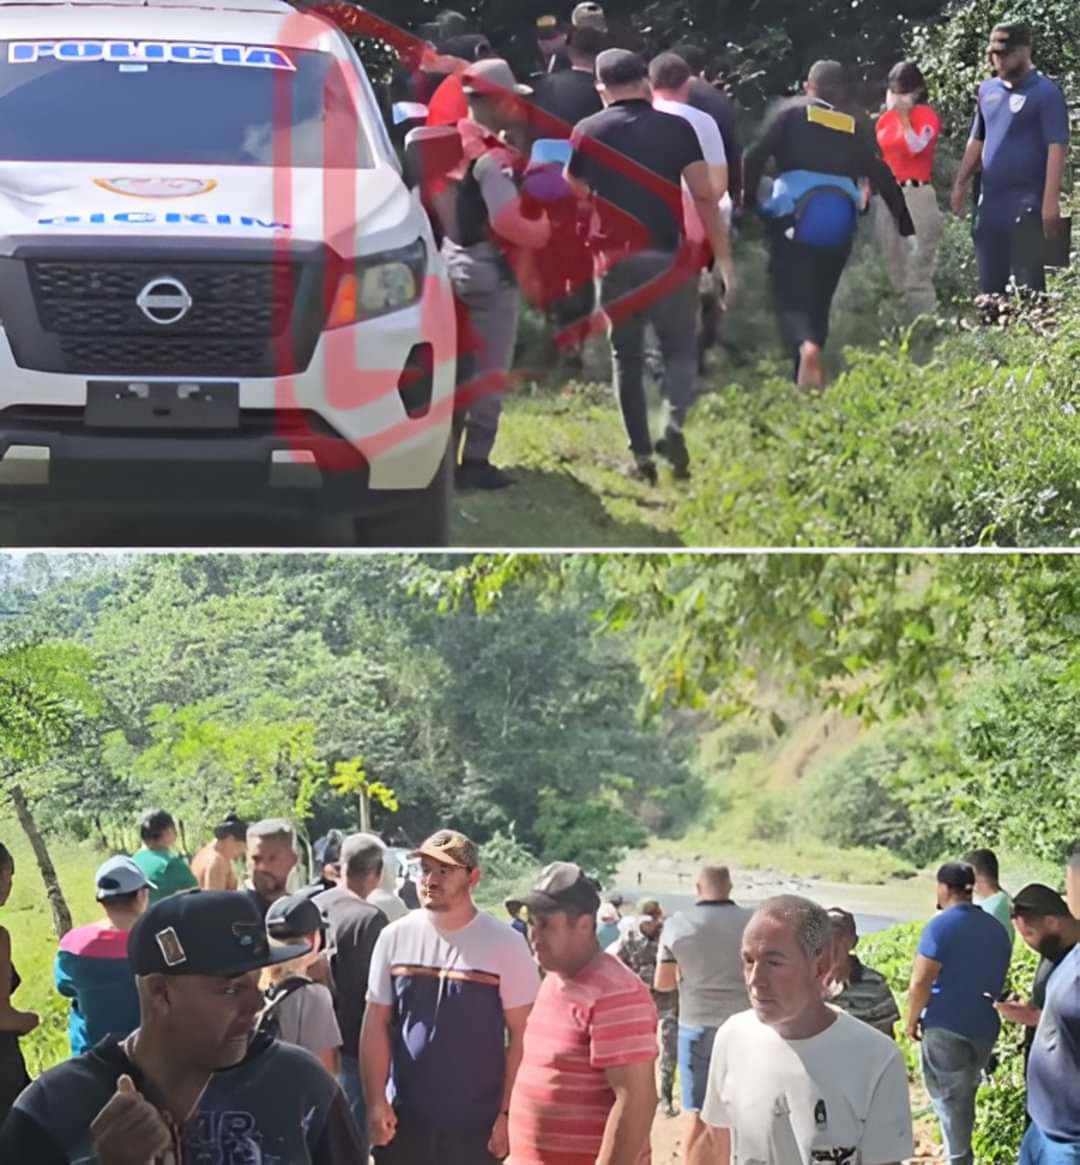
(42, 687)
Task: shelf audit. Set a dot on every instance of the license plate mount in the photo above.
(115, 404)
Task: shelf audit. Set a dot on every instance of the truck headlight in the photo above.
(378, 284)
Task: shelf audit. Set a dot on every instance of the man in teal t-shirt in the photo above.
(168, 873)
(988, 894)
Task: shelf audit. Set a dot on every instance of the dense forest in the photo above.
(558, 702)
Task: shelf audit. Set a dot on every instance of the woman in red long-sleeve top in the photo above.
(907, 133)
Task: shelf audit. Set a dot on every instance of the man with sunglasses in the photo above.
(190, 1083)
(448, 996)
(1019, 142)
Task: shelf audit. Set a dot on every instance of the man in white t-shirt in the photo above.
(449, 992)
(670, 77)
(795, 1080)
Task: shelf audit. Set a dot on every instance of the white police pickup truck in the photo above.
(217, 291)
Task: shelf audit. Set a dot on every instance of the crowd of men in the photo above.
(605, 165)
(255, 1024)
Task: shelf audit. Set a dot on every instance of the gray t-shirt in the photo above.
(306, 1017)
(706, 944)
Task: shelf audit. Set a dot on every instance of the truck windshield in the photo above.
(176, 102)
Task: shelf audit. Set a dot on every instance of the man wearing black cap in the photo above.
(551, 38)
(189, 1084)
(586, 1088)
(822, 155)
(1043, 921)
(631, 160)
(960, 968)
(1019, 145)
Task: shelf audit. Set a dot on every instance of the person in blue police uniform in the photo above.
(1019, 141)
(822, 154)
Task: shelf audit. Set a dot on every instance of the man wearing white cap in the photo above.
(92, 968)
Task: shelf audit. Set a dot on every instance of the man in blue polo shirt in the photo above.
(1019, 139)
(959, 971)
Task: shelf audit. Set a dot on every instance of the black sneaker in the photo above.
(644, 470)
(672, 448)
(481, 475)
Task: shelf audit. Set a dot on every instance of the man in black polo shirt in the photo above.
(720, 107)
(570, 95)
(631, 160)
(819, 149)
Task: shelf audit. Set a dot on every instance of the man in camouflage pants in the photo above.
(638, 950)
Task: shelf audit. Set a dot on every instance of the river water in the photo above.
(875, 906)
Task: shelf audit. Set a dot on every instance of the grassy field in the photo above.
(33, 940)
(959, 431)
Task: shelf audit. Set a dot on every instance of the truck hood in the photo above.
(354, 212)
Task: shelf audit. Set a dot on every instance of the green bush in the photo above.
(851, 802)
(952, 50)
(978, 444)
(1000, 1105)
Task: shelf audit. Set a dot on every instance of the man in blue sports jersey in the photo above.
(1019, 140)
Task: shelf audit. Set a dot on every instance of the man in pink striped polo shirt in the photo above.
(585, 1093)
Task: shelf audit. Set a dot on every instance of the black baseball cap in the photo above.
(621, 67)
(293, 917)
(562, 886)
(549, 27)
(958, 875)
(204, 932)
(1039, 901)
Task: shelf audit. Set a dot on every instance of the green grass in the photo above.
(33, 939)
(567, 452)
(950, 434)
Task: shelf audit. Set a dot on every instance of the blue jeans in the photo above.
(952, 1066)
(1009, 241)
(695, 1051)
(1040, 1149)
(349, 1079)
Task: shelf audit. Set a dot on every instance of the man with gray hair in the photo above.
(700, 954)
(271, 857)
(795, 1079)
(354, 925)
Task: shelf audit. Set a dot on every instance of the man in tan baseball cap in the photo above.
(450, 848)
(449, 990)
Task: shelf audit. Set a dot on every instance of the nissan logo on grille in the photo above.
(164, 301)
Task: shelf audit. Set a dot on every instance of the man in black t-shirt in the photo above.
(630, 161)
(354, 925)
(189, 1081)
(570, 95)
(811, 243)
